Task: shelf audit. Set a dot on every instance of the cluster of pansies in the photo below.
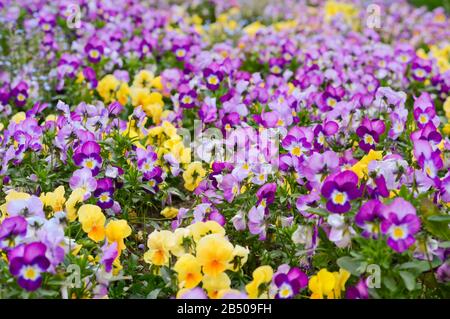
(217, 149)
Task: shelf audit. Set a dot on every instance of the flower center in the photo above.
(339, 198)
(398, 233)
(20, 97)
(285, 291)
(331, 102)
(212, 79)
(368, 139)
(423, 119)
(186, 99)
(94, 54)
(30, 273)
(296, 151)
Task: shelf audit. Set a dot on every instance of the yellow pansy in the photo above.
(200, 229)
(12, 195)
(180, 236)
(253, 28)
(143, 79)
(446, 107)
(322, 284)
(116, 231)
(123, 93)
(153, 106)
(170, 212)
(214, 284)
(188, 270)
(341, 278)
(159, 244)
(193, 175)
(361, 167)
(18, 117)
(214, 253)
(107, 87)
(75, 197)
(240, 254)
(261, 275)
(54, 199)
(92, 221)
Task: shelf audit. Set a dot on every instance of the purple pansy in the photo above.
(369, 132)
(288, 283)
(104, 192)
(88, 156)
(212, 78)
(369, 218)
(12, 229)
(400, 224)
(339, 190)
(109, 254)
(266, 194)
(27, 262)
(82, 178)
(187, 99)
(256, 221)
(94, 50)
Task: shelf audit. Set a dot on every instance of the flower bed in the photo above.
(293, 149)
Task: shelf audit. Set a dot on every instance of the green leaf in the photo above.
(440, 218)
(408, 279)
(154, 293)
(389, 282)
(351, 265)
(445, 244)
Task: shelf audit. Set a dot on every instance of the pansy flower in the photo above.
(27, 262)
(400, 224)
(212, 78)
(369, 132)
(369, 218)
(187, 99)
(94, 50)
(88, 156)
(12, 230)
(289, 281)
(339, 190)
(104, 192)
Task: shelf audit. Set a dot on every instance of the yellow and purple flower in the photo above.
(339, 189)
(27, 262)
(400, 224)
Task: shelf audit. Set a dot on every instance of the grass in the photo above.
(432, 4)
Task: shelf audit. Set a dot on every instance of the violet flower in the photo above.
(339, 190)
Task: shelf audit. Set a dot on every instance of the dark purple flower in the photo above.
(91, 77)
(27, 262)
(104, 192)
(109, 254)
(187, 99)
(369, 131)
(20, 93)
(276, 65)
(12, 229)
(421, 69)
(180, 51)
(369, 218)
(266, 194)
(88, 156)
(358, 291)
(340, 189)
(4, 94)
(212, 79)
(153, 178)
(289, 284)
(94, 51)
